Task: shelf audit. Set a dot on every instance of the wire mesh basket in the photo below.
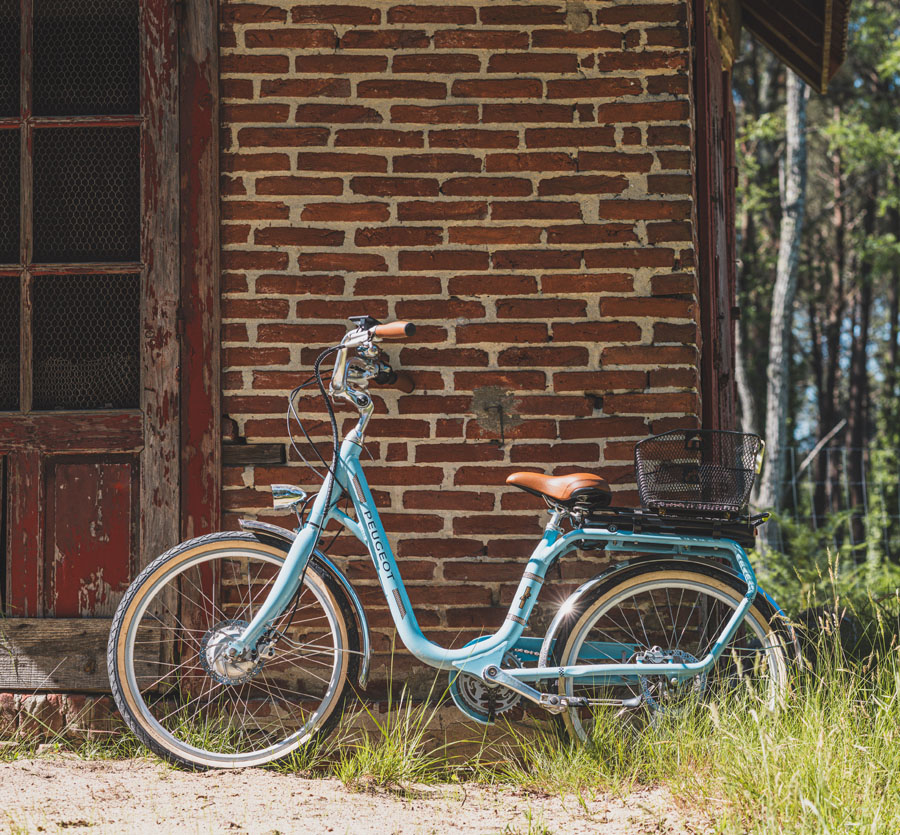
(697, 471)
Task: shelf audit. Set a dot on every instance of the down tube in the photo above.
(351, 474)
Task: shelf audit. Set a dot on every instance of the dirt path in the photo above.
(66, 794)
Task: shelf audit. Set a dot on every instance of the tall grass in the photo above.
(395, 755)
(825, 760)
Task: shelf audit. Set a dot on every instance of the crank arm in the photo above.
(492, 674)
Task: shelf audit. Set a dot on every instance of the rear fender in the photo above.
(570, 604)
(281, 536)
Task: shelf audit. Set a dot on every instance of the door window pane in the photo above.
(9, 196)
(87, 194)
(86, 57)
(86, 341)
(9, 57)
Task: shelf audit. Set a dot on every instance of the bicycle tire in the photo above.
(251, 687)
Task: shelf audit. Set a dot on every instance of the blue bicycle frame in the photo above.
(483, 658)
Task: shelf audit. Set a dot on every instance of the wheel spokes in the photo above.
(250, 707)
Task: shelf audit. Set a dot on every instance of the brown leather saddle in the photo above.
(586, 489)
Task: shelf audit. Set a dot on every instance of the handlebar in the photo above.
(368, 331)
(394, 330)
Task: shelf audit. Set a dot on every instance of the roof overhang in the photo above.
(810, 36)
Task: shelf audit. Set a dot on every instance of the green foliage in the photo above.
(757, 192)
(845, 346)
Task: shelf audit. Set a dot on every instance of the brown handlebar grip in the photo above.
(404, 382)
(395, 330)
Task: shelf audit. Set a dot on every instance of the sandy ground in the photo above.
(66, 794)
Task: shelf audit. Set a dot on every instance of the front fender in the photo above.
(264, 530)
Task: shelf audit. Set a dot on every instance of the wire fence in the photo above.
(851, 493)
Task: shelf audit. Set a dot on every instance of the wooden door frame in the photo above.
(184, 360)
(160, 458)
(188, 297)
(180, 377)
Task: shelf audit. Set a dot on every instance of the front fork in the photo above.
(290, 576)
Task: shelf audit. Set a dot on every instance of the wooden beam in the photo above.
(770, 23)
(56, 654)
(201, 478)
(71, 432)
(704, 45)
(804, 16)
(780, 44)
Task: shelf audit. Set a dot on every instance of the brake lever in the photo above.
(386, 375)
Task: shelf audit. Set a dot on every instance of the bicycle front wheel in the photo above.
(173, 682)
(670, 611)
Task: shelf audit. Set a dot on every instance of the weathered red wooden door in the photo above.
(715, 231)
(89, 289)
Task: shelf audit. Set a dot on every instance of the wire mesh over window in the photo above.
(9, 196)
(86, 57)
(9, 343)
(87, 194)
(86, 342)
(9, 57)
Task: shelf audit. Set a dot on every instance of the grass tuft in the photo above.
(397, 754)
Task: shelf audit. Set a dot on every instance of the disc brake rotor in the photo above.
(214, 654)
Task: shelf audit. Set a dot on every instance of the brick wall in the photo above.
(516, 179)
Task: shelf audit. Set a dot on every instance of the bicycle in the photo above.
(236, 648)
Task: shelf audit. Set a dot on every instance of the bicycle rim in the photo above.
(204, 711)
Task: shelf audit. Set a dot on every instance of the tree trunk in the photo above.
(858, 405)
(747, 410)
(793, 199)
(889, 397)
(745, 393)
(827, 472)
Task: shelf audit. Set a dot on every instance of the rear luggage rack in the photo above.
(697, 472)
(630, 520)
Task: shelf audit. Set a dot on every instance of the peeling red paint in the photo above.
(91, 534)
(715, 226)
(93, 496)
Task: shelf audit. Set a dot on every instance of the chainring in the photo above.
(480, 702)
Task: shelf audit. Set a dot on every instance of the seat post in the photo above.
(555, 523)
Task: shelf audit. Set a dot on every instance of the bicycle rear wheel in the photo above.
(173, 683)
(677, 611)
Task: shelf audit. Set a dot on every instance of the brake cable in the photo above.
(328, 479)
